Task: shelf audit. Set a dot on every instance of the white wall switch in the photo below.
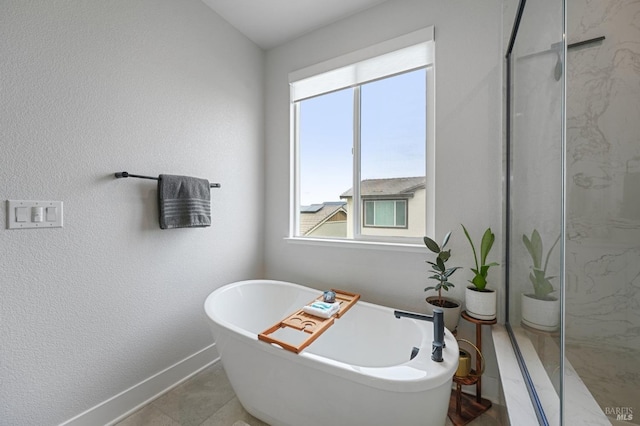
(52, 214)
(36, 214)
(22, 214)
(25, 214)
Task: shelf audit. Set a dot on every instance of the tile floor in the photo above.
(207, 399)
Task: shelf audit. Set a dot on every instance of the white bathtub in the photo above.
(358, 372)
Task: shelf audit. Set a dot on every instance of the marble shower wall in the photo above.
(603, 174)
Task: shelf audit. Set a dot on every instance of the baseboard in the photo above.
(490, 389)
(127, 402)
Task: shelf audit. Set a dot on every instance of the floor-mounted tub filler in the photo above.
(359, 372)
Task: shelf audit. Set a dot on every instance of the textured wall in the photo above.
(89, 88)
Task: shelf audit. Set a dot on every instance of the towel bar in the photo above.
(126, 175)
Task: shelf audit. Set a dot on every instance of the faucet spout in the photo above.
(438, 329)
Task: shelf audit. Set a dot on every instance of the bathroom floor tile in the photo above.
(148, 416)
(199, 398)
(233, 414)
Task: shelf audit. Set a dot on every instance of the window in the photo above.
(385, 213)
(361, 132)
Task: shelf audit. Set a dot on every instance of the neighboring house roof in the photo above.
(385, 188)
(313, 216)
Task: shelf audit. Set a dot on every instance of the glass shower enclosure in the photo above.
(573, 208)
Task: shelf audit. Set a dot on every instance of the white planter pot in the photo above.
(540, 314)
(451, 314)
(480, 304)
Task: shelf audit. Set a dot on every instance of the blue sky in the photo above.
(393, 136)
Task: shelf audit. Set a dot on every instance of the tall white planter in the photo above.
(481, 304)
(540, 314)
(451, 311)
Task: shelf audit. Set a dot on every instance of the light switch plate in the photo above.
(16, 218)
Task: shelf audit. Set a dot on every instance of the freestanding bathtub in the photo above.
(359, 372)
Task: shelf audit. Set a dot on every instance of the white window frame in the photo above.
(409, 52)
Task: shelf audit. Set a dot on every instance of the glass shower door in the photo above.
(602, 332)
(535, 200)
(573, 208)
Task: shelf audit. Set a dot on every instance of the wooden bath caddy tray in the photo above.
(310, 324)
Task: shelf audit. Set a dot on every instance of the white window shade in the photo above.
(385, 59)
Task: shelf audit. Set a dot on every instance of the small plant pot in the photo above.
(480, 304)
(464, 364)
(451, 308)
(540, 314)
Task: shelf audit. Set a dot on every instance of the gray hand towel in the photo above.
(184, 202)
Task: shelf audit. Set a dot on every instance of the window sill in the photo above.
(357, 244)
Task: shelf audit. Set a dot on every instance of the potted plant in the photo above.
(540, 309)
(481, 301)
(441, 274)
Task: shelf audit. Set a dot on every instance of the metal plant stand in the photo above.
(464, 407)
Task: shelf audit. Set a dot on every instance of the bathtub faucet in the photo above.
(438, 329)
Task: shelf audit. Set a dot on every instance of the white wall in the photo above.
(88, 89)
(468, 38)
